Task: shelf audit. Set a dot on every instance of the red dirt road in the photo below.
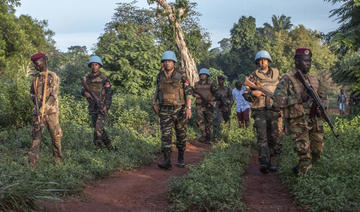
(266, 192)
(142, 189)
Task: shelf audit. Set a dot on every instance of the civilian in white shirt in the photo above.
(242, 106)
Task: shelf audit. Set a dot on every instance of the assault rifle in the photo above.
(205, 100)
(252, 85)
(93, 96)
(316, 100)
(37, 109)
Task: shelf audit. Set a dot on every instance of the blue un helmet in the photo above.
(204, 71)
(169, 55)
(95, 59)
(262, 54)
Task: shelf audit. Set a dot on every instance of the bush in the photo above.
(216, 183)
(334, 183)
(21, 185)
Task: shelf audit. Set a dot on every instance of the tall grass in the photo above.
(334, 183)
(21, 185)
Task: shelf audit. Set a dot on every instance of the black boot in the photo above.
(271, 167)
(295, 169)
(264, 169)
(180, 163)
(166, 164)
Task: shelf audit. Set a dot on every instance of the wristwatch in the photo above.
(188, 107)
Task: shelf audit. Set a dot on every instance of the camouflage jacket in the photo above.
(223, 96)
(52, 89)
(291, 95)
(100, 85)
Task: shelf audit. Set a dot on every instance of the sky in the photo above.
(81, 22)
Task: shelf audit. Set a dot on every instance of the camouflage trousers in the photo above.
(267, 130)
(172, 116)
(308, 136)
(51, 122)
(205, 118)
(100, 135)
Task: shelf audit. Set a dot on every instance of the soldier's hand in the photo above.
(257, 93)
(87, 95)
(188, 113)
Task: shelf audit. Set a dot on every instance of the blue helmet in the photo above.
(95, 59)
(204, 71)
(169, 55)
(262, 54)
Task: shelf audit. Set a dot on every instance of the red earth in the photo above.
(141, 189)
(145, 189)
(265, 192)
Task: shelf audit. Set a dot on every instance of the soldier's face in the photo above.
(95, 67)
(221, 81)
(169, 65)
(40, 64)
(263, 63)
(303, 63)
(203, 77)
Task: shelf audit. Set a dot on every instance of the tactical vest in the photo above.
(171, 91)
(204, 90)
(299, 108)
(269, 84)
(96, 85)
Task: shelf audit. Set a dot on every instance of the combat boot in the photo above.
(166, 164)
(264, 169)
(271, 167)
(180, 163)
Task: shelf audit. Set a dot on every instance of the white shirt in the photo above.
(241, 103)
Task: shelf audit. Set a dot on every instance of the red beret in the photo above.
(37, 56)
(221, 77)
(303, 51)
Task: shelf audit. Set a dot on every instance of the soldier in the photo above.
(224, 101)
(97, 90)
(305, 125)
(44, 93)
(342, 101)
(204, 91)
(174, 94)
(266, 124)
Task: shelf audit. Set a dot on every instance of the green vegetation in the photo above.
(20, 184)
(215, 183)
(334, 183)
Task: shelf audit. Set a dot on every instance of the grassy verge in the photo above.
(21, 185)
(216, 183)
(334, 184)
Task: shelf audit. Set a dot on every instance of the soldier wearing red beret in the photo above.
(305, 125)
(44, 93)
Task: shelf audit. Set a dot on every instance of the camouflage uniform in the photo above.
(46, 116)
(172, 94)
(204, 111)
(305, 127)
(99, 84)
(224, 101)
(265, 119)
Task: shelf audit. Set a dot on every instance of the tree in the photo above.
(279, 23)
(176, 13)
(131, 58)
(345, 41)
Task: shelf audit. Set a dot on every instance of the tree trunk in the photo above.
(187, 61)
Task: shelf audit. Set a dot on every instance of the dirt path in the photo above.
(142, 189)
(265, 192)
